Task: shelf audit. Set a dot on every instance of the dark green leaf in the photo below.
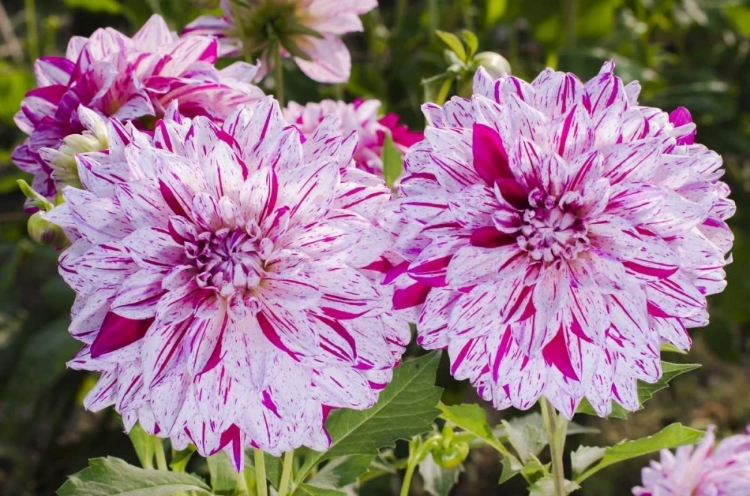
(308, 490)
(112, 477)
(406, 408)
(342, 471)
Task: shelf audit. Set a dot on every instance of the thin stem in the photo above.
(434, 17)
(241, 484)
(416, 456)
(32, 31)
(556, 427)
(279, 75)
(286, 473)
(406, 485)
(571, 13)
(260, 473)
(161, 459)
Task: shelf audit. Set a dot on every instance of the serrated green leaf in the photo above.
(308, 490)
(511, 467)
(112, 477)
(143, 444)
(342, 471)
(546, 487)
(645, 391)
(527, 439)
(584, 457)
(437, 480)
(223, 474)
(406, 408)
(672, 436)
(393, 161)
(471, 41)
(471, 418)
(454, 43)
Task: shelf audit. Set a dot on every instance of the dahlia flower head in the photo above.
(126, 78)
(360, 117)
(556, 234)
(703, 470)
(227, 281)
(308, 31)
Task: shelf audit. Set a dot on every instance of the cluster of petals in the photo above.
(360, 117)
(702, 470)
(326, 60)
(128, 79)
(556, 234)
(227, 280)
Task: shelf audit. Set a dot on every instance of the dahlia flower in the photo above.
(361, 118)
(127, 78)
(226, 281)
(306, 30)
(702, 470)
(556, 234)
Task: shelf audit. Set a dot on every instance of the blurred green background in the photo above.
(694, 53)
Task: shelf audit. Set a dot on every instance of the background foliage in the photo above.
(694, 53)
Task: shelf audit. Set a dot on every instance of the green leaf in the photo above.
(143, 444)
(105, 6)
(393, 161)
(454, 43)
(342, 471)
(112, 477)
(438, 481)
(471, 418)
(645, 391)
(546, 487)
(223, 474)
(308, 490)
(584, 457)
(527, 439)
(406, 408)
(670, 437)
(273, 469)
(471, 41)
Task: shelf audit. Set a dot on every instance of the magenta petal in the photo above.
(679, 117)
(556, 354)
(490, 157)
(411, 296)
(118, 332)
(489, 237)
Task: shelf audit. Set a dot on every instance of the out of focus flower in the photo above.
(557, 233)
(306, 30)
(702, 470)
(126, 78)
(227, 281)
(360, 118)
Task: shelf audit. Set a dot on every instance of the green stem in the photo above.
(32, 31)
(434, 17)
(260, 473)
(279, 75)
(286, 473)
(416, 456)
(571, 13)
(161, 459)
(556, 427)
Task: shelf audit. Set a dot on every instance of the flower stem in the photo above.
(260, 473)
(410, 466)
(286, 473)
(279, 75)
(161, 459)
(32, 31)
(556, 427)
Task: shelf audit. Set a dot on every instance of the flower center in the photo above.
(551, 230)
(229, 261)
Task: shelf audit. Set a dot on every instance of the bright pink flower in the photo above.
(322, 57)
(227, 281)
(126, 78)
(360, 117)
(702, 470)
(558, 233)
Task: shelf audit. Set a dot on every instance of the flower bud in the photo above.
(46, 233)
(450, 452)
(494, 63)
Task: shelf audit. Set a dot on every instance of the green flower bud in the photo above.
(452, 456)
(494, 63)
(46, 233)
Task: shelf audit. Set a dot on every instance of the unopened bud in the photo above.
(46, 233)
(494, 63)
